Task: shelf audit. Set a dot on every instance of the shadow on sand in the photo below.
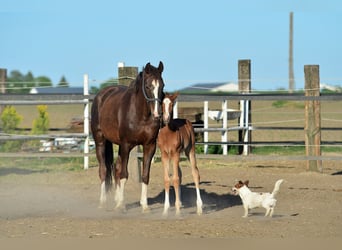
(212, 202)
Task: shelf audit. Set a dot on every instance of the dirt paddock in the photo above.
(63, 204)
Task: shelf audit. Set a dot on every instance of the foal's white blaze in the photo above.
(166, 114)
(155, 84)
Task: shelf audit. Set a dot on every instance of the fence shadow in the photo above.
(19, 171)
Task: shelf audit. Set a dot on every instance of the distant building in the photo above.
(58, 90)
(211, 87)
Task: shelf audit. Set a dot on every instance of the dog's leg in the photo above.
(272, 210)
(246, 211)
(268, 210)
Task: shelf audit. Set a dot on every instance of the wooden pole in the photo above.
(86, 121)
(224, 135)
(291, 74)
(244, 75)
(3, 75)
(206, 125)
(126, 76)
(312, 118)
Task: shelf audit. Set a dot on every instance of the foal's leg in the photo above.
(176, 181)
(166, 165)
(196, 177)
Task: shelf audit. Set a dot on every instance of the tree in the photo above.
(63, 82)
(109, 82)
(43, 81)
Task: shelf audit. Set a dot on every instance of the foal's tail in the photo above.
(276, 187)
(109, 165)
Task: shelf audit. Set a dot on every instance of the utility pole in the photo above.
(291, 74)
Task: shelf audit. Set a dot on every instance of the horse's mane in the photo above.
(134, 84)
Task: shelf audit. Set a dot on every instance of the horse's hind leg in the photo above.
(196, 177)
(105, 159)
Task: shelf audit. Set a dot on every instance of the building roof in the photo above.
(212, 87)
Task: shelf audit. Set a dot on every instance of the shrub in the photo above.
(10, 121)
(42, 122)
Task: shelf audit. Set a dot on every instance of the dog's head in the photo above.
(238, 185)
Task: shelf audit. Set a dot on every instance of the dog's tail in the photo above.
(276, 187)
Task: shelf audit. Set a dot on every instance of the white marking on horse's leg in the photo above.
(166, 203)
(119, 193)
(103, 197)
(180, 195)
(155, 93)
(143, 199)
(199, 202)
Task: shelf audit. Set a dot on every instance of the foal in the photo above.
(175, 137)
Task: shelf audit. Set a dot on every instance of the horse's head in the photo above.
(168, 102)
(153, 87)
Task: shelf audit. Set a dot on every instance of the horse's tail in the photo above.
(276, 187)
(109, 165)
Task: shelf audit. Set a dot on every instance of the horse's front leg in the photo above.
(121, 176)
(148, 151)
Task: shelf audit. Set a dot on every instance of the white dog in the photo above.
(252, 199)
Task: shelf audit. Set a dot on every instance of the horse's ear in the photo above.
(246, 183)
(161, 67)
(174, 96)
(147, 68)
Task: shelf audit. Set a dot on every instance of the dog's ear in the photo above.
(246, 182)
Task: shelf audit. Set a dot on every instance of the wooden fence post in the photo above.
(86, 121)
(244, 75)
(312, 118)
(126, 75)
(3, 75)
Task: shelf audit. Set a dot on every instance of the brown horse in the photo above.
(175, 137)
(127, 116)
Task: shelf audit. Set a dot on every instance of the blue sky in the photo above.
(198, 41)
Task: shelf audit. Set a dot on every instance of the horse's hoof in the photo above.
(146, 210)
(101, 205)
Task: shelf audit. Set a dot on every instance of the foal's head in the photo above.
(152, 87)
(168, 103)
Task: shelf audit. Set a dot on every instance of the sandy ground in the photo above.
(63, 205)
